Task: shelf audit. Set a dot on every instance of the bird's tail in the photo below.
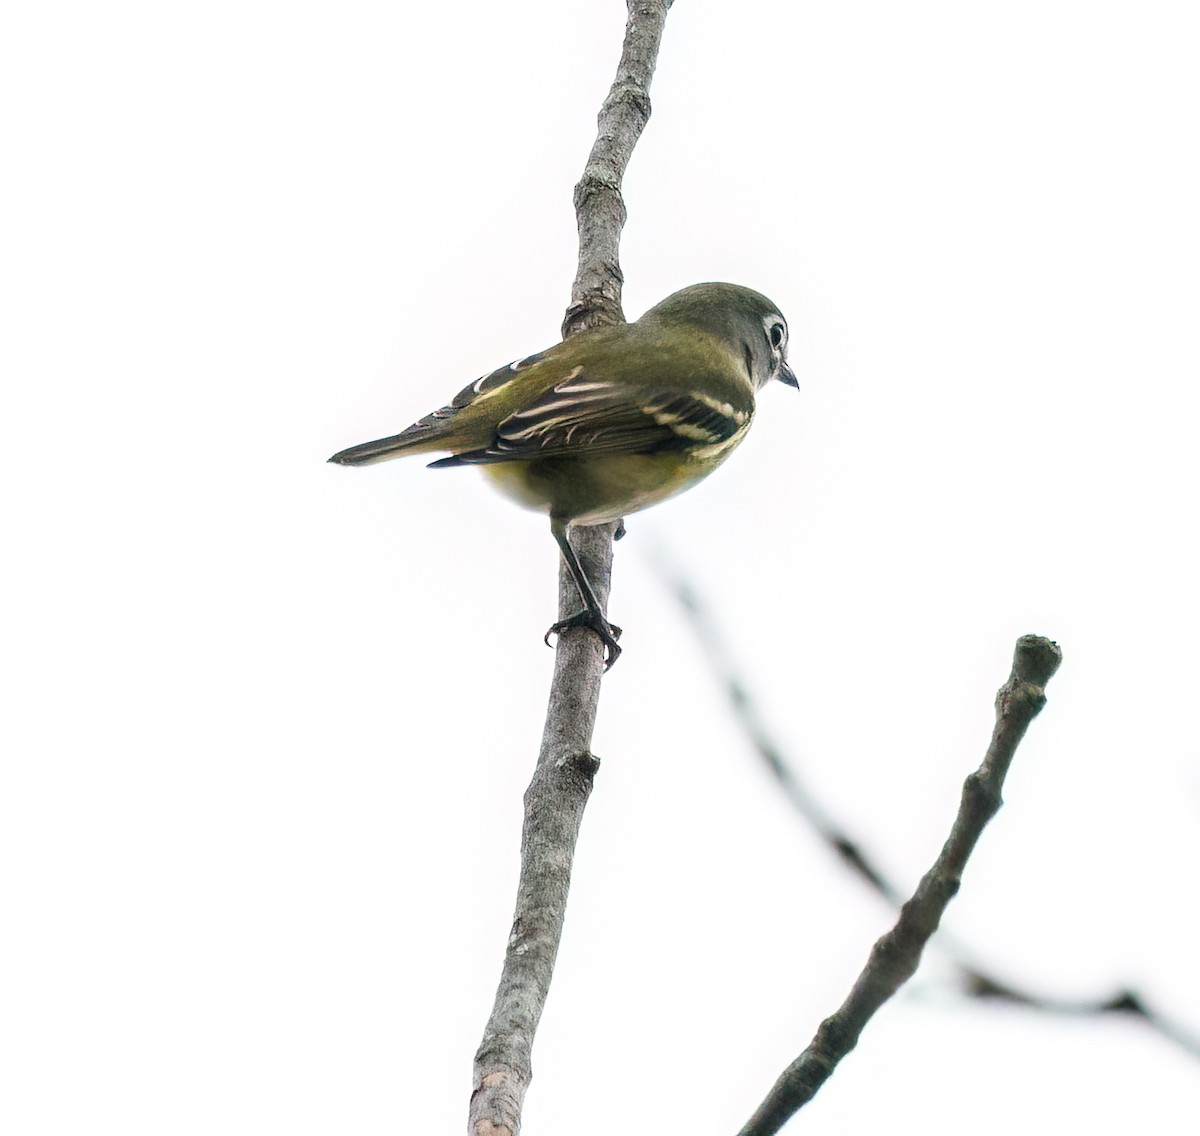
(410, 441)
(427, 435)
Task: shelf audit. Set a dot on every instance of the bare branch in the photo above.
(554, 804)
(895, 956)
(562, 780)
(972, 979)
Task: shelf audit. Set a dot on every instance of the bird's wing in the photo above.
(583, 415)
(437, 430)
(486, 385)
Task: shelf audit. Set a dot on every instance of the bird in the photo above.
(612, 420)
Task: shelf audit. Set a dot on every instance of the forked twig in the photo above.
(972, 980)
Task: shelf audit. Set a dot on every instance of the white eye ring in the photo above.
(777, 335)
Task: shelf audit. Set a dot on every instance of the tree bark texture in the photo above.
(562, 779)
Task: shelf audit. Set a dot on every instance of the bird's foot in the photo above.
(609, 633)
(620, 530)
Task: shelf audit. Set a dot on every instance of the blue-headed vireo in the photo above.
(611, 420)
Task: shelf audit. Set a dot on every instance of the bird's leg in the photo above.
(592, 615)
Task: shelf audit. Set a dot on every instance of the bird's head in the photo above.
(746, 319)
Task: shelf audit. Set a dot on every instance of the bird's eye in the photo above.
(778, 334)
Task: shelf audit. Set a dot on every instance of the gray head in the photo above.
(739, 315)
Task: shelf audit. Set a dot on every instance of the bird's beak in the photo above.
(786, 375)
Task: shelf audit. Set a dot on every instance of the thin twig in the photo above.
(562, 780)
(747, 714)
(972, 979)
(1126, 1003)
(895, 956)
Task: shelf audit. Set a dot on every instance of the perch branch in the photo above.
(895, 956)
(562, 780)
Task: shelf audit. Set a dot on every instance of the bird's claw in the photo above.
(609, 633)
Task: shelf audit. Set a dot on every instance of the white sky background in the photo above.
(271, 719)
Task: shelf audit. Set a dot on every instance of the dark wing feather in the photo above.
(470, 393)
(426, 433)
(582, 415)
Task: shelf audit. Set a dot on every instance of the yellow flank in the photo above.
(597, 490)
